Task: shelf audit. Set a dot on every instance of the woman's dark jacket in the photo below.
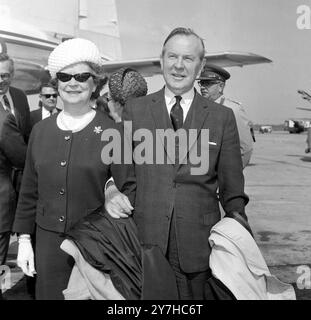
(64, 177)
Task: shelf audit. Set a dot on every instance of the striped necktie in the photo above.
(7, 105)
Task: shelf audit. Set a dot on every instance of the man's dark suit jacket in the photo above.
(12, 153)
(36, 116)
(22, 113)
(164, 188)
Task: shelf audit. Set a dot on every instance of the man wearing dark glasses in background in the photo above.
(212, 82)
(48, 101)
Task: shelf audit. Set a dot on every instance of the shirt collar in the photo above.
(187, 97)
(45, 113)
(6, 94)
(219, 100)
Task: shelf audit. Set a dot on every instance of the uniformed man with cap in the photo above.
(212, 82)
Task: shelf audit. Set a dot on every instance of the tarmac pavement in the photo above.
(278, 182)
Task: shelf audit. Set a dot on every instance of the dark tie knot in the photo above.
(178, 99)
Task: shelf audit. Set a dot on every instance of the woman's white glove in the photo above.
(25, 255)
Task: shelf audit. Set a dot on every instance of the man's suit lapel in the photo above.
(160, 116)
(35, 116)
(195, 119)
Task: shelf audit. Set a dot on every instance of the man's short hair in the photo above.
(50, 84)
(5, 57)
(185, 32)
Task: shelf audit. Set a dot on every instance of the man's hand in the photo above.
(242, 219)
(25, 256)
(116, 203)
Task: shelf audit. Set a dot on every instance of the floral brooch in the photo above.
(98, 130)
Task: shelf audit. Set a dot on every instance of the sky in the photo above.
(269, 28)
(268, 92)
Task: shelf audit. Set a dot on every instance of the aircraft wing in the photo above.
(151, 66)
(235, 59)
(147, 67)
(30, 56)
(301, 108)
(29, 76)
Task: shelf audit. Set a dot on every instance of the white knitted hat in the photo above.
(73, 51)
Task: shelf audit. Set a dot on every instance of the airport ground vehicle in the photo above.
(294, 126)
(265, 129)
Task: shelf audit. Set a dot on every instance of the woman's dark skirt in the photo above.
(53, 265)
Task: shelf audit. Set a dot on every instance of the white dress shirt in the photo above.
(45, 113)
(185, 102)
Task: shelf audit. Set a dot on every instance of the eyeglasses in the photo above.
(80, 77)
(5, 76)
(207, 83)
(48, 96)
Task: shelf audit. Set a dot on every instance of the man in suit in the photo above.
(13, 99)
(48, 101)
(174, 208)
(15, 129)
(212, 81)
(12, 153)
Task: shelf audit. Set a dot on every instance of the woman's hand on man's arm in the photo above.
(116, 203)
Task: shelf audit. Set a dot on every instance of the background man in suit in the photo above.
(212, 81)
(13, 99)
(173, 208)
(15, 129)
(12, 153)
(48, 101)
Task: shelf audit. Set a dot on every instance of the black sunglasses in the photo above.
(80, 77)
(48, 96)
(5, 76)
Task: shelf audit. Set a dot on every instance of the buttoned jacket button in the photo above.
(63, 163)
(67, 138)
(61, 219)
(62, 192)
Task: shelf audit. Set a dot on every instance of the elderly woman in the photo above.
(64, 177)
